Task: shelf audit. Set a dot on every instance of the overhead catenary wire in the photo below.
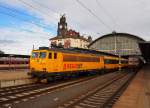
(24, 20)
(45, 6)
(92, 13)
(31, 6)
(14, 10)
(21, 18)
(11, 15)
(35, 8)
(106, 12)
(37, 2)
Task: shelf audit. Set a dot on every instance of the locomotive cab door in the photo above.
(53, 64)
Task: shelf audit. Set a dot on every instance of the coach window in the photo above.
(50, 56)
(55, 55)
(106, 61)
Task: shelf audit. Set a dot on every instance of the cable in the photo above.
(29, 5)
(27, 29)
(11, 15)
(91, 12)
(25, 20)
(44, 6)
(106, 12)
(35, 32)
(14, 10)
(40, 4)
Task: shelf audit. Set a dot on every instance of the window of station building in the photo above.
(35, 54)
(42, 55)
(50, 55)
(55, 55)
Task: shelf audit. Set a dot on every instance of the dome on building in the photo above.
(118, 43)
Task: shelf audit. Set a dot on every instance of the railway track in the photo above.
(6, 91)
(14, 95)
(11, 95)
(102, 96)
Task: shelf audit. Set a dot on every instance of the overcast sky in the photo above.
(24, 23)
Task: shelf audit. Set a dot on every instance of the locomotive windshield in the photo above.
(35, 54)
(42, 55)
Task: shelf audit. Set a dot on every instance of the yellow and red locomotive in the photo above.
(46, 62)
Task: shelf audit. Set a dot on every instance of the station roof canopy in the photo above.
(118, 34)
(118, 43)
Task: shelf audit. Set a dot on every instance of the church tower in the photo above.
(62, 27)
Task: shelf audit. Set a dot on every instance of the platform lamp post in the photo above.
(119, 55)
(119, 61)
(117, 49)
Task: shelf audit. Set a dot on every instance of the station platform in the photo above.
(13, 74)
(15, 77)
(137, 95)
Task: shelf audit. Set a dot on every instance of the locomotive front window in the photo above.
(42, 54)
(35, 55)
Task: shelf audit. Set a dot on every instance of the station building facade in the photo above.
(118, 43)
(69, 38)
